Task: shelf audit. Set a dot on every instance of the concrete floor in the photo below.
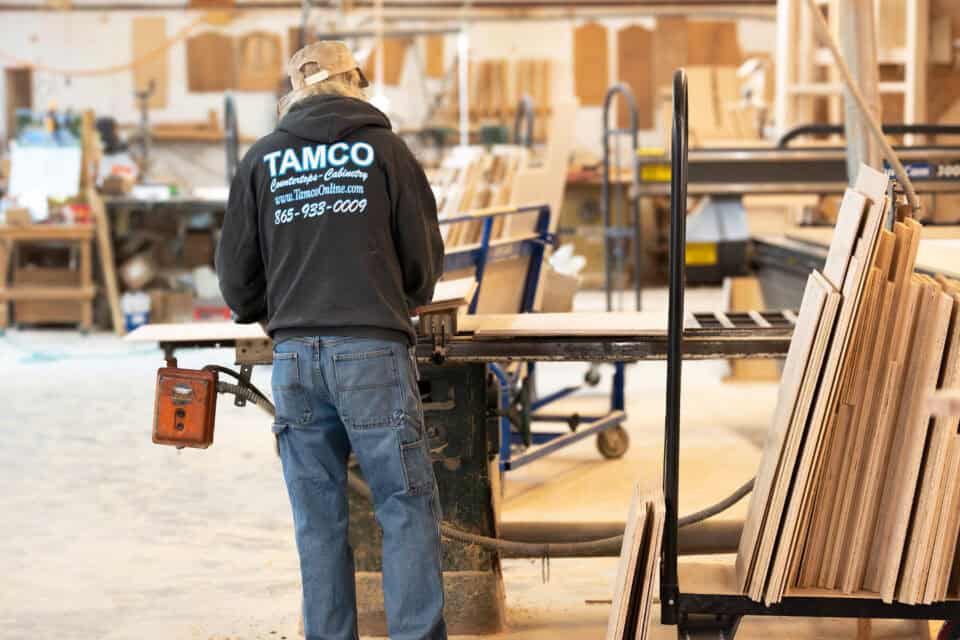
(105, 535)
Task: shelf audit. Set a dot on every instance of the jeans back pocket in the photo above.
(368, 387)
(289, 393)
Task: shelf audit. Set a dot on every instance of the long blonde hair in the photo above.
(343, 84)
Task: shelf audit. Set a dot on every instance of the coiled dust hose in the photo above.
(250, 393)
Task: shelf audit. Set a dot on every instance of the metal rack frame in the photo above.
(617, 230)
(710, 615)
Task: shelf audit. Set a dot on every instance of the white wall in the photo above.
(82, 39)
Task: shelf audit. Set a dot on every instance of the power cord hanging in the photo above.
(544, 550)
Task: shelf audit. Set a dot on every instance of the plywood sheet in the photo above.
(627, 323)
(913, 424)
(591, 76)
(210, 63)
(148, 36)
(937, 481)
(259, 61)
(634, 56)
(849, 220)
(451, 293)
(636, 571)
(815, 298)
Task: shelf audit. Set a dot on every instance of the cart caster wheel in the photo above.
(592, 377)
(613, 442)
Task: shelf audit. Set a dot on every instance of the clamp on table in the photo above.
(439, 326)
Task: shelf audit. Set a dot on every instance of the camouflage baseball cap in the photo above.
(332, 57)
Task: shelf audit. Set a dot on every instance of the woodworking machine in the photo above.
(463, 407)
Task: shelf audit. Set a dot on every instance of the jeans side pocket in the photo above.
(417, 469)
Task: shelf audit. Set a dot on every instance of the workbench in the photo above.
(65, 294)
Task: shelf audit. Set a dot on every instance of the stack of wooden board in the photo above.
(639, 559)
(473, 179)
(858, 487)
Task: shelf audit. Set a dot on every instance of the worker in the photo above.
(331, 239)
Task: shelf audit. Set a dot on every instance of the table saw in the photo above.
(461, 411)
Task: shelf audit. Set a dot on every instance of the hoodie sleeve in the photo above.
(416, 233)
(239, 261)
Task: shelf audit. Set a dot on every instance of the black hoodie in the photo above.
(331, 227)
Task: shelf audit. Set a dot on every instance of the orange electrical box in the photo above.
(185, 407)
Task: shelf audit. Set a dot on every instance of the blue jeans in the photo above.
(338, 394)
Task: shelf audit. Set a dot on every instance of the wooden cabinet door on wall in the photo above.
(634, 67)
(259, 61)
(210, 63)
(590, 63)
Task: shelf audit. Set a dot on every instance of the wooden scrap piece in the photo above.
(451, 293)
(636, 572)
(148, 35)
(591, 77)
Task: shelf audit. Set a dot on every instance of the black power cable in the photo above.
(250, 392)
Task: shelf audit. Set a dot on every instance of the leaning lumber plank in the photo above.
(877, 297)
(861, 437)
(869, 445)
(849, 221)
(824, 418)
(636, 571)
(626, 568)
(919, 565)
(105, 249)
(657, 514)
(811, 308)
(904, 311)
(845, 487)
(781, 547)
(873, 184)
(913, 426)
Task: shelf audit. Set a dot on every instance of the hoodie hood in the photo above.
(330, 118)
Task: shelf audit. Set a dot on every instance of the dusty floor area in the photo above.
(105, 535)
